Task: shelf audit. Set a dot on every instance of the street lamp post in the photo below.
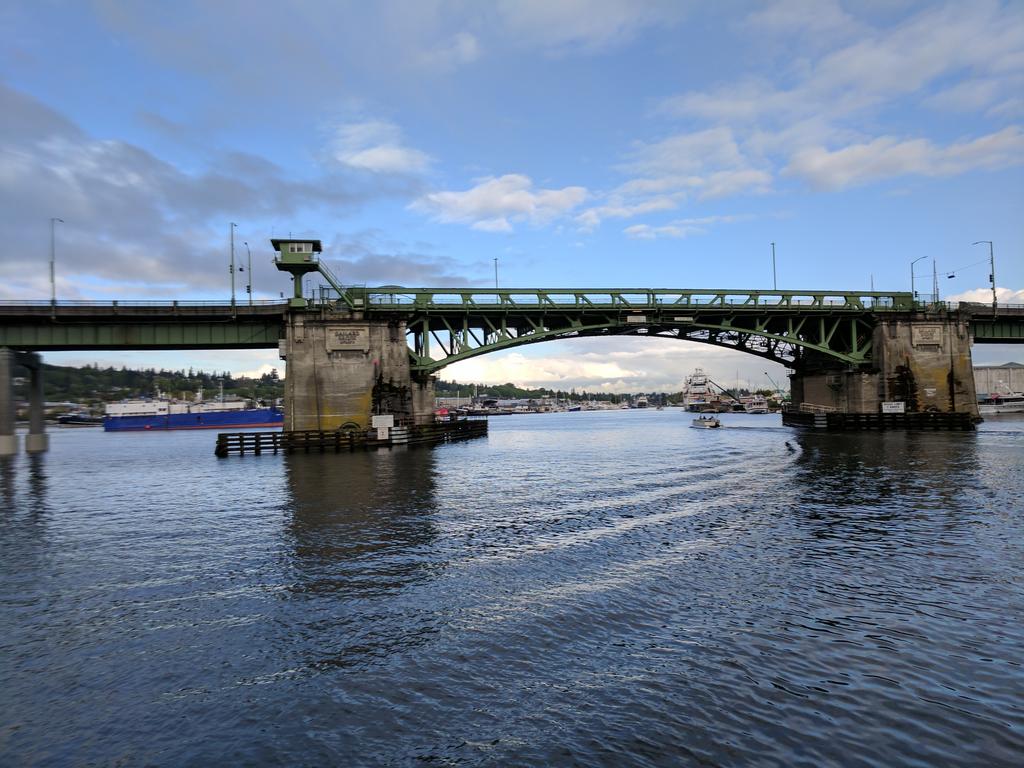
(992, 270)
(53, 260)
(913, 296)
(231, 269)
(495, 273)
(775, 285)
(248, 266)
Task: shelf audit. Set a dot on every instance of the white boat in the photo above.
(1011, 402)
(697, 392)
(706, 422)
(757, 404)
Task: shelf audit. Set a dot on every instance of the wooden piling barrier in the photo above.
(304, 441)
(855, 422)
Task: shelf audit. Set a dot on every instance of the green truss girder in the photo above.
(786, 327)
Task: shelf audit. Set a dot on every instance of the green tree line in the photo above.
(92, 384)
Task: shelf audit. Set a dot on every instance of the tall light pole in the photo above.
(248, 266)
(231, 269)
(495, 273)
(992, 270)
(775, 285)
(53, 261)
(913, 296)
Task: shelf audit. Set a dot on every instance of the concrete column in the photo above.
(919, 360)
(37, 441)
(342, 369)
(925, 361)
(423, 395)
(8, 437)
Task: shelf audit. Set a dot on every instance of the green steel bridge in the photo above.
(796, 328)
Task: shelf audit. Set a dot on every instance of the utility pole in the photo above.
(231, 269)
(53, 260)
(992, 271)
(775, 285)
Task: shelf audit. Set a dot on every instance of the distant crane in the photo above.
(774, 384)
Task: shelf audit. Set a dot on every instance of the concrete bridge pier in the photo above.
(37, 441)
(8, 437)
(921, 364)
(343, 369)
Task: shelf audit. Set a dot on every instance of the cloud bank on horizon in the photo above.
(578, 142)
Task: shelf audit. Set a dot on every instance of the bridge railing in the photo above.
(622, 299)
(137, 303)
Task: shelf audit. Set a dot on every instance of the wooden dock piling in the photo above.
(337, 441)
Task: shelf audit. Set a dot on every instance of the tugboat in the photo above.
(79, 418)
(706, 422)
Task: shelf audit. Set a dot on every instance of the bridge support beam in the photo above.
(342, 369)
(36, 441)
(922, 364)
(8, 436)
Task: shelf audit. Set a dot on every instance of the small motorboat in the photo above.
(706, 422)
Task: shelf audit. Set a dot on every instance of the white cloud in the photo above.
(877, 67)
(687, 154)
(461, 48)
(590, 219)
(706, 164)
(819, 116)
(495, 204)
(376, 145)
(984, 296)
(587, 25)
(749, 181)
(886, 157)
(968, 96)
(816, 23)
(681, 228)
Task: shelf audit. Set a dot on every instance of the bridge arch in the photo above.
(774, 347)
(445, 326)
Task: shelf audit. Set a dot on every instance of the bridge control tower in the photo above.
(299, 258)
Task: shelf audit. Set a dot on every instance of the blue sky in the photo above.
(600, 143)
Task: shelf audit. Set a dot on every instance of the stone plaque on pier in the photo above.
(348, 338)
(923, 335)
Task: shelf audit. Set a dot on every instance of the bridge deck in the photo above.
(130, 325)
(506, 315)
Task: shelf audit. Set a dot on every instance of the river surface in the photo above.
(576, 589)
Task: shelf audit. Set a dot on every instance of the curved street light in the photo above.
(913, 295)
(992, 270)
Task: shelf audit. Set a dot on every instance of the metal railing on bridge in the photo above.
(401, 298)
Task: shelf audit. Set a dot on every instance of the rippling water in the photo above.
(576, 589)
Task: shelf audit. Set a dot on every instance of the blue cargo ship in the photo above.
(162, 413)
